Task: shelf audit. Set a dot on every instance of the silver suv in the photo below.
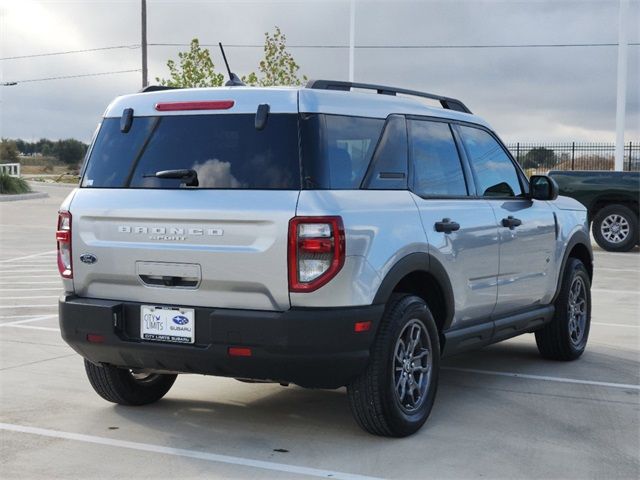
(331, 235)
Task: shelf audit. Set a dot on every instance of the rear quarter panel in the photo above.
(381, 227)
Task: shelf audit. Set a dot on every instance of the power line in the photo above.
(426, 47)
(318, 46)
(51, 54)
(64, 77)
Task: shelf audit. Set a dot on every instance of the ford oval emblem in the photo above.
(180, 320)
(88, 258)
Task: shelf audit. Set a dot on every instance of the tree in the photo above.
(8, 151)
(70, 151)
(278, 66)
(196, 69)
(539, 157)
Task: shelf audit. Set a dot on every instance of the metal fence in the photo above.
(11, 169)
(542, 157)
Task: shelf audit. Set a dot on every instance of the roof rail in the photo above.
(446, 102)
(156, 88)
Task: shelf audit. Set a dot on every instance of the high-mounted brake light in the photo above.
(63, 240)
(316, 251)
(210, 105)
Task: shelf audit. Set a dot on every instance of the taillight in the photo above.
(316, 251)
(63, 239)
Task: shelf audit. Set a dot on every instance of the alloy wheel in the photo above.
(412, 366)
(577, 310)
(615, 228)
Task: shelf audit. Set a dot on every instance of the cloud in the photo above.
(216, 174)
(526, 94)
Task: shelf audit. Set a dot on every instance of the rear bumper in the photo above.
(312, 347)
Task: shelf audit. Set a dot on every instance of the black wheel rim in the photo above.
(412, 366)
(577, 310)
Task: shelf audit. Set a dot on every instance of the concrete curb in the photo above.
(51, 184)
(7, 197)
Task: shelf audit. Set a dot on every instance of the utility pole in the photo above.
(143, 44)
(352, 38)
(621, 99)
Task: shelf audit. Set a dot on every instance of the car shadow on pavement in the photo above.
(257, 409)
(199, 410)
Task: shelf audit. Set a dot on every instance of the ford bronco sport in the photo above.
(317, 236)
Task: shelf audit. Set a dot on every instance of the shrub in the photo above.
(12, 185)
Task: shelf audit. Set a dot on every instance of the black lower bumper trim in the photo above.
(311, 347)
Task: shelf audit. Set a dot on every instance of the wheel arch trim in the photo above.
(578, 238)
(416, 263)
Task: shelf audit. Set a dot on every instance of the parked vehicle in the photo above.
(317, 236)
(611, 199)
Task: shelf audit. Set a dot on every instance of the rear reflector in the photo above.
(362, 326)
(95, 338)
(177, 106)
(239, 352)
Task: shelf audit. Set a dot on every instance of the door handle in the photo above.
(447, 226)
(511, 222)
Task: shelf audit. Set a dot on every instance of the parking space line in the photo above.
(625, 386)
(615, 324)
(30, 297)
(8, 317)
(181, 452)
(52, 269)
(29, 306)
(21, 273)
(610, 269)
(2, 290)
(8, 260)
(29, 320)
(30, 283)
(19, 277)
(608, 290)
(35, 327)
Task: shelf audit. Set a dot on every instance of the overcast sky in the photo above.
(527, 94)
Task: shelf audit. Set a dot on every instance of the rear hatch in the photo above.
(216, 239)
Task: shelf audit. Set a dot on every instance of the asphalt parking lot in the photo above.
(501, 412)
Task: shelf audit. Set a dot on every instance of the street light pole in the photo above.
(352, 38)
(621, 99)
(143, 44)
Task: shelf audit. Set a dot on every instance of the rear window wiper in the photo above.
(189, 176)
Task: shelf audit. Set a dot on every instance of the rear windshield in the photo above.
(226, 151)
(311, 151)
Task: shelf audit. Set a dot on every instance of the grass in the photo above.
(13, 185)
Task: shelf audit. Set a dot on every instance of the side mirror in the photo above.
(543, 187)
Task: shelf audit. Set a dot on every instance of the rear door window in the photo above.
(226, 151)
(437, 170)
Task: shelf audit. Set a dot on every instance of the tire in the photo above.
(373, 398)
(122, 386)
(615, 228)
(565, 337)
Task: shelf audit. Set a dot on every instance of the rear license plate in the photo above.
(167, 324)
